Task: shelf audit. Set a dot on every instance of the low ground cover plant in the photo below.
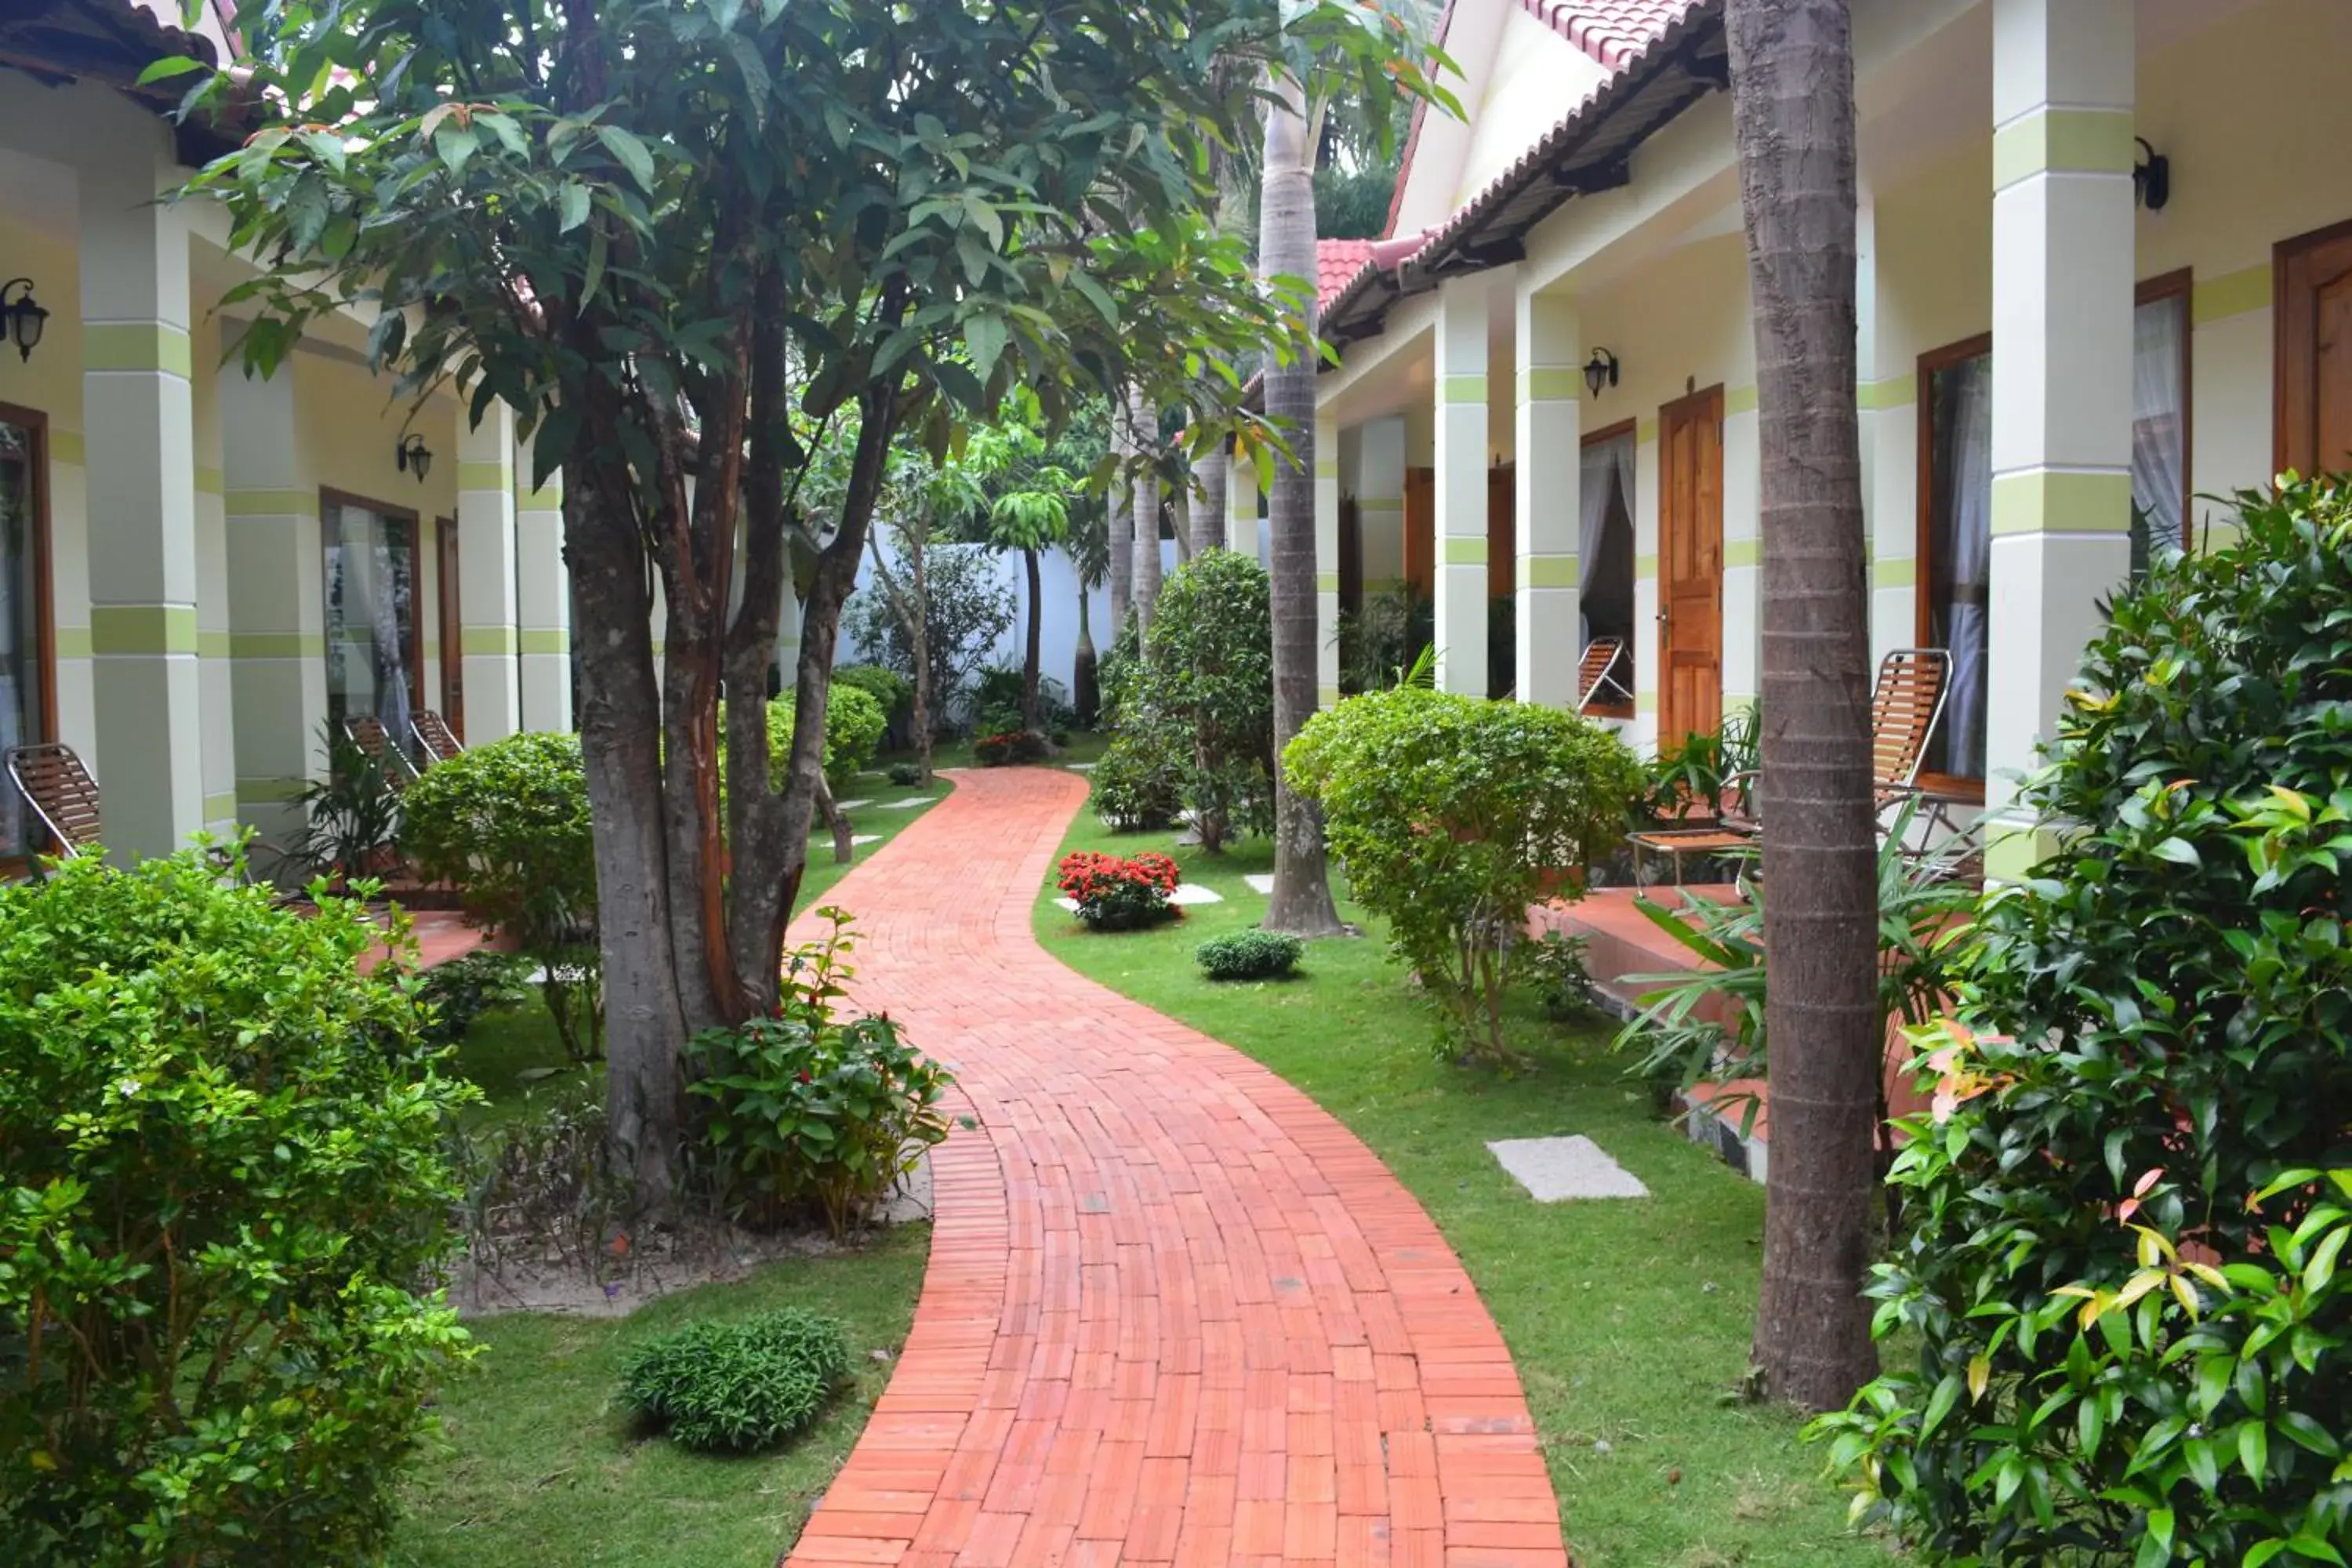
(1250, 955)
(1454, 816)
(221, 1187)
(737, 1389)
(1117, 892)
(808, 1106)
(2118, 1264)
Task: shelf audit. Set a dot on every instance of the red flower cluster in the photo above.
(1112, 891)
(994, 751)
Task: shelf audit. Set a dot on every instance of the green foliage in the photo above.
(1205, 690)
(888, 687)
(2151, 1026)
(220, 1153)
(1118, 892)
(1138, 782)
(1250, 955)
(1009, 746)
(1557, 962)
(1382, 643)
(1353, 203)
(450, 996)
(996, 702)
(805, 1106)
(966, 612)
(350, 816)
(737, 1389)
(854, 721)
(905, 775)
(1119, 671)
(1701, 773)
(507, 825)
(1452, 814)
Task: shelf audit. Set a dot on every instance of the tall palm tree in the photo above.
(1792, 120)
(1143, 433)
(1301, 901)
(1119, 518)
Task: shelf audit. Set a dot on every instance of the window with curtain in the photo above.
(1605, 549)
(2160, 423)
(24, 640)
(372, 632)
(1955, 578)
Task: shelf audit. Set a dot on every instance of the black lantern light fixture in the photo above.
(21, 318)
(1601, 371)
(2151, 177)
(412, 456)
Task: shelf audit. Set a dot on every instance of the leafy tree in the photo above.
(1792, 120)
(1206, 687)
(653, 228)
(965, 611)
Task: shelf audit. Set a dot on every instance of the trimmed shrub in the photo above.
(1012, 746)
(737, 1389)
(888, 687)
(1136, 783)
(1454, 814)
(506, 823)
(1250, 955)
(905, 775)
(221, 1181)
(855, 723)
(804, 1106)
(1205, 687)
(2118, 1264)
(1116, 894)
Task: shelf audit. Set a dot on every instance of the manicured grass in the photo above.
(1630, 1319)
(537, 1467)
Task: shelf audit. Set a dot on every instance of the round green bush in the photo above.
(855, 723)
(221, 1181)
(1207, 680)
(1138, 782)
(907, 775)
(737, 1389)
(2125, 1326)
(888, 687)
(1250, 955)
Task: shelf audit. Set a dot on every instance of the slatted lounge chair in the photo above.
(61, 793)
(435, 742)
(368, 733)
(1599, 670)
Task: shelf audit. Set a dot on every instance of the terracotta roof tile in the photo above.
(1613, 32)
(1337, 262)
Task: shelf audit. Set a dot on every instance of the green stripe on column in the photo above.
(213, 644)
(2061, 500)
(1551, 384)
(488, 640)
(541, 641)
(142, 629)
(1463, 551)
(2231, 294)
(1902, 574)
(484, 476)
(277, 645)
(220, 807)
(1895, 391)
(1646, 702)
(267, 791)
(72, 642)
(1466, 389)
(1742, 551)
(1326, 696)
(65, 446)
(2072, 140)
(1548, 571)
(1739, 400)
(209, 481)
(271, 503)
(1645, 567)
(1327, 582)
(154, 346)
(550, 499)
(1644, 432)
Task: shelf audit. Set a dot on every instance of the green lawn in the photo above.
(537, 1469)
(1629, 1318)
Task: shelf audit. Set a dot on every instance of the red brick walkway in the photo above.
(1175, 1312)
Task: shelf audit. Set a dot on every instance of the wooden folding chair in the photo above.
(61, 793)
(1602, 656)
(435, 742)
(368, 733)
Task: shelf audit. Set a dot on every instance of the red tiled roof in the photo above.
(1614, 32)
(1337, 262)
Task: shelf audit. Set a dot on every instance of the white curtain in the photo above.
(371, 568)
(2158, 464)
(1964, 408)
(1606, 475)
(19, 667)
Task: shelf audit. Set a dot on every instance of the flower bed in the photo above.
(1012, 746)
(1115, 894)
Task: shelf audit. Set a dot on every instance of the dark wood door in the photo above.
(1502, 532)
(1690, 567)
(1421, 530)
(2314, 317)
(453, 627)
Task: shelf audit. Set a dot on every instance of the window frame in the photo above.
(36, 422)
(1619, 431)
(1956, 786)
(407, 518)
(2181, 284)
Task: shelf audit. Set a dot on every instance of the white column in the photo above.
(1461, 485)
(542, 600)
(138, 421)
(277, 598)
(216, 677)
(1327, 560)
(1549, 500)
(489, 643)
(787, 640)
(2061, 364)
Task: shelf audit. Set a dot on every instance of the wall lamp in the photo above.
(1601, 370)
(2151, 177)
(412, 458)
(21, 319)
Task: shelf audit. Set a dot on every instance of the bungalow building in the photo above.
(2105, 252)
(200, 571)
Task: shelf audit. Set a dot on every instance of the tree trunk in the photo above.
(1179, 503)
(1085, 685)
(837, 822)
(1144, 423)
(1301, 901)
(920, 634)
(1793, 106)
(1033, 715)
(1208, 512)
(1118, 518)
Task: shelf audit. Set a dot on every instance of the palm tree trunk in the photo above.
(1085, 685)
(1143, 425)
(1118, 505)
(1032, 710)
(1301, 901)
(1793, 115)
(1208, 512)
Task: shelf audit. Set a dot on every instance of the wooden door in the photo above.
(1690, 567)
(1502, 532)
(2313, 321)
(1421, 530)
(453, 627)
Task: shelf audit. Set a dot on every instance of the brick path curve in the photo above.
(1175, 1313)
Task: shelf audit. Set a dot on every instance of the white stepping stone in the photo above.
(850, 805)
(1185, 893)
(1260, 882)
(865, 839)
(1079, 767)
(1554, 1170)
(906, 804)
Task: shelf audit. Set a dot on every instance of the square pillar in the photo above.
(1327, 560)
(2061, 364)
(1461, 485)
(277, 598)
(139, 421)
(1241, 507)
(215, 674)
(491, 641)
(1550, 498)
(543, 600)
